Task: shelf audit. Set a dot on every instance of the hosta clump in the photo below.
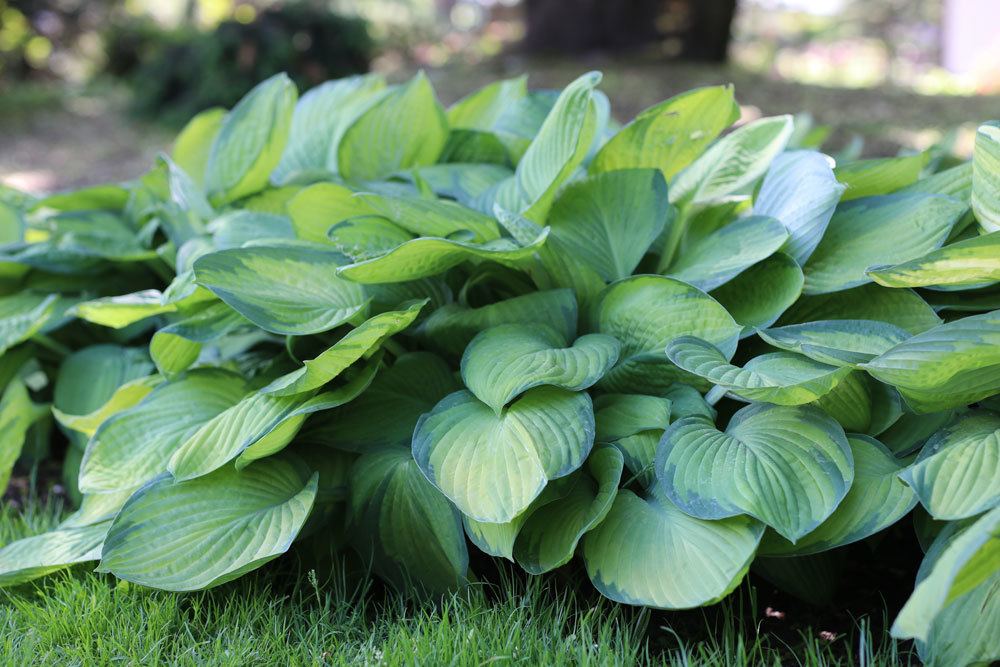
(364, 321)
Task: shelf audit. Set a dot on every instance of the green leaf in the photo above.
(801, 191)
(609, 221)
(951, 365)
(876, 500)
(880, 176)
(465, 183)
(901, 307)
(39, 555)
(404, 526)
(493, 466)
(957, 474)
(250, 141)
(719, 257)
(558, 148)
(91, 376)
(118, 312)
(357, 344)
(285, 289)
(969, 263)
(787, 466)
(671, 134)
(621, 415)
(194, 143)
(135, 446)
(733, 163)
(183, 536)
(315, 209)
(125, 397)
(986, 176)
(405, 128)
(429, 256)
(450, 328)
(648, 552)
(837, 342)
(258, 426)
(482, 109)
(851, 402)
(176, 346)
(503, 362)
(758, 296)
(878, 230)
(782, 378)
(386, 414)
(423, 216)
(319, 121)
(549, 537)
(17, 414)
(961, 562)
(645, 313)
(24, 314)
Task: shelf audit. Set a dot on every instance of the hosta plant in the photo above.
(671, 349)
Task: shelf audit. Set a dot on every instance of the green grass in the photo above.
(80, 618)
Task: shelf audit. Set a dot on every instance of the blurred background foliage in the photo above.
(85, 78)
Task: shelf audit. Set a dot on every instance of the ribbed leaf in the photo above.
(877, 499)
(17, 414)
(556, 150)
(286, 289)
(183, 536)
(783, 378)
(986, 176)
(385, 415)
(621, 415)
(451, 327)
(759, 295)
(250, 140)
(23, 314)
(405, 128)
(258, 426)
(320, 119)
(503, 362)
(732, 163)
(960, 565)
(901, 307)
(645, 313)
(880, 176)
(493, 466)
(967, 263)
(957, 474)
(719, 257)
(609, 221)
(410, 532)
(134, 446)
(429, 256)
(800, 191)
(670, 135)
(194, 143)
(648, 552)
(878, 230)
(176, 346)
(787, 466)
(549, 537)
(315, 209)
(43, 554)
(951, 365)
(357, 344)
(422, 216)
(837, 342)
(120, 311)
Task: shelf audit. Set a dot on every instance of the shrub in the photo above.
(361, 320)
(174, 74)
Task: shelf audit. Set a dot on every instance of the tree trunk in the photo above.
(580, 26)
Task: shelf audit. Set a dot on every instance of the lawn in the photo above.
(81, 618)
